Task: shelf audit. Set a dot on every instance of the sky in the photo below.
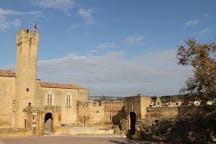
(112, 47)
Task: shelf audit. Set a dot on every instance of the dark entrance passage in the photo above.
(48, 123)
(132, 122)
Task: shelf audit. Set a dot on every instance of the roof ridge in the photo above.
(7, 73)
(60, 85)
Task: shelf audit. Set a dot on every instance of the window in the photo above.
(68, 101)
(49, 99)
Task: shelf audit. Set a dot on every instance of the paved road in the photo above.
(69, 140)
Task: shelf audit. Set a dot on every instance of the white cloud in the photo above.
(86, 14)
(106, 45)
(191, 23)
(5, 13)
(134, 39)
(3, 23)
(103, 47)
(113, 74)
(204, 31)
(16, 22)
(206, 15)
(93, 51)
(55, 4)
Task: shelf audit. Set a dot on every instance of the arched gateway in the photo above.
(48, 123)
(43, 120)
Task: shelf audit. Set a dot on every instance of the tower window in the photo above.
(27, 89)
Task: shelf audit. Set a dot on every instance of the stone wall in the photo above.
(162, 112)
(7, 102)
(83, 95)
(59, 98)
(138, 105)
(14, 132)
(100, 113)
(35, 118)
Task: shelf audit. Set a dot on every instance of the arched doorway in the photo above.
(132, 122)
(48, 123)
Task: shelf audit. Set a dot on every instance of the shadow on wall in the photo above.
(132, 123)
(116, 119)
(48, 122)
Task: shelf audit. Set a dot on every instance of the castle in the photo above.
(22, 89)
(28, 103)
(31, 106)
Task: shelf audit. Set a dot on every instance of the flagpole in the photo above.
(36, 27)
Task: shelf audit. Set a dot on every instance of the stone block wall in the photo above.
(162, 112)
(100, 113)
(14, 132)
(138, 105)
(7, 102)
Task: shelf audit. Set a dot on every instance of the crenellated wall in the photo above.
(138, 105)
(162, 112)
(100, 113)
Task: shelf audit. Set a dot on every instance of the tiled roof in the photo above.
(7, 73)
(58, 85)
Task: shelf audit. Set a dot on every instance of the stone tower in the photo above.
(26, 72)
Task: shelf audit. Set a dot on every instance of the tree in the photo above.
(202, 57)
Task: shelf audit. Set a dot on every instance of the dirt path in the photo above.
(69, 140)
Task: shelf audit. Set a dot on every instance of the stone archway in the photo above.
(48, 123)
(43, 120)
(132, 122)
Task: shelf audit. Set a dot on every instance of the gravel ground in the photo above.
(69, 140)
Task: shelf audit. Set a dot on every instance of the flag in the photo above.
(36, 26)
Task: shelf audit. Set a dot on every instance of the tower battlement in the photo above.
(26, 34)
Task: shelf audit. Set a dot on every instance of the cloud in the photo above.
(204, 31)
(86, 14)
(134, 39)
(54, 4)
(106, 45)
(191, 23)
(103, 47)
(16, 22)
(206, 15)
(3, 23)
(5, 13)
(113, 74)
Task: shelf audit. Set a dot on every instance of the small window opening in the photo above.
(27, 89)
